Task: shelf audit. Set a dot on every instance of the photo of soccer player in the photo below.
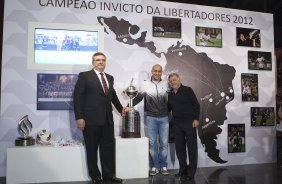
(236, 138)
(258, 60)
(166, 27)
(208, 37)
(262, 116)
(249, 87)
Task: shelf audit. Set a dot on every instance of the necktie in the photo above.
(105, 86)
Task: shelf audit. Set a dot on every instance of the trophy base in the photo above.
(130, 135)
(21, 141)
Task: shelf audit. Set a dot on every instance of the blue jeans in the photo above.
(158, 128)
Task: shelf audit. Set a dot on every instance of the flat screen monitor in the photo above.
(54, 46)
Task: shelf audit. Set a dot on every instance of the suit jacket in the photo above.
(90, 101)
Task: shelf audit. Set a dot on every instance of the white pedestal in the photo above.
(132, 157)
(37, 164)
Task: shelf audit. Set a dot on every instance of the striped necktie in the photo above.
(105, 86)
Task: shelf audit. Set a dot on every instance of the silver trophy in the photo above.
(131, 120)
(24, 128)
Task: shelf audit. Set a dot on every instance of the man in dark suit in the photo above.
(93, 98)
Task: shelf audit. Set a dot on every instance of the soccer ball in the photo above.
(43, 137)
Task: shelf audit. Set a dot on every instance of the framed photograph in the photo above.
(208, 37)
(236, 138)
(262, 116)
(59, 46)
(258, 60)
(54, 91)
(249, 87)
(248, 37)
(166, 27)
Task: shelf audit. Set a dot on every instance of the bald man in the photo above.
(154, 92)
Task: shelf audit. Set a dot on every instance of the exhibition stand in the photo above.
(132, 157)
(39, 164)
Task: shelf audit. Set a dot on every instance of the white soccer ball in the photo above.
(43, 137)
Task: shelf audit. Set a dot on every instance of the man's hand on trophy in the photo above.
(80, 124)
(124, 110)
(195, 123)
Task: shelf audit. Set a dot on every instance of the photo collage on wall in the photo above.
(257, 60)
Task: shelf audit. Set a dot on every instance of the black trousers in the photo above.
(186, 135)
(101, 137)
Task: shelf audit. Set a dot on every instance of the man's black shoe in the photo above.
(113, 180)
(189, 178)
(97, 181)
(180, 174)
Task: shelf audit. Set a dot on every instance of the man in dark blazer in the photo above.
(185, 108)
(93, 98)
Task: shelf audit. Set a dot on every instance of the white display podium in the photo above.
(39, 164)
(132, 157)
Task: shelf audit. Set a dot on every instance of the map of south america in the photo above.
(211, 81)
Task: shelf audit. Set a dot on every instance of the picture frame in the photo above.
(249, 87)
(236, 138)
(208, 37)
(62, 46)
(259, 60)
(166, 27)
(262, 116)
(247, 37)
(55, 91)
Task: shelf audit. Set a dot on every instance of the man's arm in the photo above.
(196, 108)
(196, 105)
(78, 101)
(116, 101)
(78, 97)
(138, 98)
(140, 95)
